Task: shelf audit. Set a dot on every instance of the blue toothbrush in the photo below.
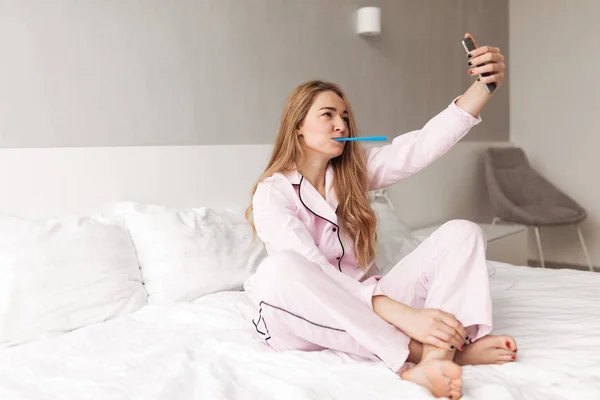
(364, 139)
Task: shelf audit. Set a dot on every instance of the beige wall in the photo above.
(155, 72)
(554, 106)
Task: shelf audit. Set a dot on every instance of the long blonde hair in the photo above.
(350, 168)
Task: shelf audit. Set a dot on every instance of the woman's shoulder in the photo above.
(277, 179)
(286, 178)
(277, 185)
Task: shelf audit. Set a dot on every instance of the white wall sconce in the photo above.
(368, 21)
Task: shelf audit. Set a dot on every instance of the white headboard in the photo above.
(58, 181)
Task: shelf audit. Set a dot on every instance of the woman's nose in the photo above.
(339, 125)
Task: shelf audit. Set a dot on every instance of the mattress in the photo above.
(207, 350)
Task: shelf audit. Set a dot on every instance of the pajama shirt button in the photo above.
(334, 229)
(339, 258)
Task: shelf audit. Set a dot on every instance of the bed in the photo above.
(206, 347)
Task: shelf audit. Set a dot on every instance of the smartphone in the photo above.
(469, 46)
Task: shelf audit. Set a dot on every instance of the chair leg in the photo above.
(585, 251)
(539, 244)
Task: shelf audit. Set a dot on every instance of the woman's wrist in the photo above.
(390, 310)
(474, 99)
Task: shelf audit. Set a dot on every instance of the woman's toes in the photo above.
(505, 358)
(505, 342)
(455, 388)
(438, 376)
(504, 352)
(510, 343)
(457, 383)
(455, 394)
(452, 371)
(502, 356)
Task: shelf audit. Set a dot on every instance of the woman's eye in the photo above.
(346, 120)
(328, 114)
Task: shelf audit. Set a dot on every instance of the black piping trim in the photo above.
(337, 226)
(302, 318)
(264, 323)
(256, 326)
(267, 328)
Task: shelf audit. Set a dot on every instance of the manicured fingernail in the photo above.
(508, 344)
(469, 55)
(470, 63)
(467, 337)
(479, 79)
(514, 357)
(470, 72)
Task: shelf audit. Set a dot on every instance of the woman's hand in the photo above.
(486, 60)
(428, 326)
(434, 327)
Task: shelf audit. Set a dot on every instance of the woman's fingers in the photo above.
(437, 342)
(452, 322)
(491, 68)
(449, 336)
(488, 62)
(456, 339)
(486, 58)
(482, 59)
(497, 77)
(482, 50)
(490, 65)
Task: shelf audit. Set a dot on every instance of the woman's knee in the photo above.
(462, 229)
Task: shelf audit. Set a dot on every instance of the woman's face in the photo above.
(327, 119)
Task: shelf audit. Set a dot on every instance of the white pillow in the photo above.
(60, 274)
(394, 239)
(188, 253)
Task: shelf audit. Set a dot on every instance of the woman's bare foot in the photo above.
(441, 377)
(488, 350)
(436, 371)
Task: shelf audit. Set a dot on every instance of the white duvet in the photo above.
(207, 350)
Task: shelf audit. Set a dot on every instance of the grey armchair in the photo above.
(519, 194)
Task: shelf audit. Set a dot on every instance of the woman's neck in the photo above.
(314, 171)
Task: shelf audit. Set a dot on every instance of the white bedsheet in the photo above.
(207, 350)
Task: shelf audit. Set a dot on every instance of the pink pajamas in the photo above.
(310, 292)
(302, 309)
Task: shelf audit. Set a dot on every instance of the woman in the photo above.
(319, 288)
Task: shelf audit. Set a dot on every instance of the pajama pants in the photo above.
(301, 308)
